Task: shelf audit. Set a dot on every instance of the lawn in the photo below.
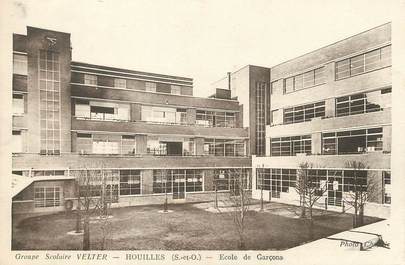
(186, 228)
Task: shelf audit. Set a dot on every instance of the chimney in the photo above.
(229, 80)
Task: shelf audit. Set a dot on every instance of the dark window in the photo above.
(352, 142)
(304, 113)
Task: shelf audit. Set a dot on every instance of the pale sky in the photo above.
(198, 39)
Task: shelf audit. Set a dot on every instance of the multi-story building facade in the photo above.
(328, 108)
(145, 130)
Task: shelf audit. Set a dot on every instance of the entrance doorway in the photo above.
(179, 187)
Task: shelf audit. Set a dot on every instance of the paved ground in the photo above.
(188, 227)
(344, 246)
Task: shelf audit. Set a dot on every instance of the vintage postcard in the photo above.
(157, 132)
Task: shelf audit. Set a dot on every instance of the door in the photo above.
(179, 186)
(335, 187)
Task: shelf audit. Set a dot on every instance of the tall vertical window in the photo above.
(17, 146)
(49, 96)
(90, 80)
(151, 87)
(18, 104)
(120, 83)
(260, 118)
(363, 63)
(20, 64)
(176, 90)
(387, 186)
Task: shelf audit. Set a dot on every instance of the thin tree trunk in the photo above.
(303, 212)
(86, 235)
(78, 217)
(311, 224)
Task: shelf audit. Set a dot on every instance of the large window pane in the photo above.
(20, 64)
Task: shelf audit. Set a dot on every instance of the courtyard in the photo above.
(185, 227)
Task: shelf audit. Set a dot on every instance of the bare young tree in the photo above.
(238, 201)
(310, 187)
(94, 191)
(363, 189)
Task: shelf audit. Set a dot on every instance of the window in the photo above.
(120, 83)
(352, 142)
(260, 129)
(275, 180)
(176, 90)
(288, 85)
(100, 110)
(128, 145)
(17, 143)
(46, 173)
(130, 182)
(215, 119)
(49, 95)
(387, 186)
(305, 80)
(20, 64)
(84, 143)
(164, 115)
(106, 144)
(18, 104)
(151, 87)
(224, 147)
(304, 113)
(82, 108)
(329, 183)
(362, 103)
(90, 80)
(162, 181)
(91, 183)
(194, 180)
(276, 117)
(290, 146)
(181, 116)
(229, 179)
(47, 197)
(363, 63)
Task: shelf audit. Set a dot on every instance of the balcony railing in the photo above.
(180, 123)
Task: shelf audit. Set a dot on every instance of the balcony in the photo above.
(141, 127)
(71, 160)
(97, 92)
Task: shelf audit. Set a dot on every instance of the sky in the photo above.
(195, 38)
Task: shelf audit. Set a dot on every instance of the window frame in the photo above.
(90, 79)
(304, 80)
(383, 62)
